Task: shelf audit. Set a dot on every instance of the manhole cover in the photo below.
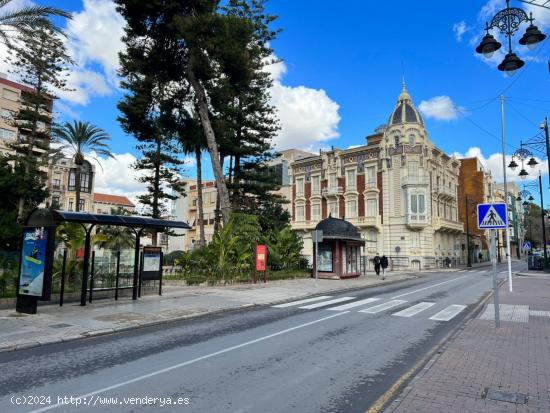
(505, 396)
(61, 325)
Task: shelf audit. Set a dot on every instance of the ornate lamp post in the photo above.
(525, 194)
(508, 22)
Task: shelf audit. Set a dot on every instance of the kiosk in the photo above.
(339, 252)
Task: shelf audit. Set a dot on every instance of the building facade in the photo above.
(10, 103)
(105, 203)
(185, 208)
(61, 183)
(476, 186)
(399, 189)
(515, 221)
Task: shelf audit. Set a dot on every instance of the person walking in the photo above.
(376, 261)
(384, 265)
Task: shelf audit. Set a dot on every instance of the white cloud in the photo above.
(459, 29)
(308, 116)
(493, 163)
(440, 108)
(94, 40)
(116, 176)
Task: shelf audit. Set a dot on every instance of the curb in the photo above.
(403, 386)
(103, 332)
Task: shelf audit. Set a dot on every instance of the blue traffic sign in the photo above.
(492, 216)
(526, 246)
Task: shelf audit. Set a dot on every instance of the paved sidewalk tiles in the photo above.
(484, 369)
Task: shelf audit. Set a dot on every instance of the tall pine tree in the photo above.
(40, 62)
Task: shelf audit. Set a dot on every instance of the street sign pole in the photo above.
(317, 237)
(495, 278)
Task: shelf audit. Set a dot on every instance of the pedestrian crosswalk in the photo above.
(375, 305)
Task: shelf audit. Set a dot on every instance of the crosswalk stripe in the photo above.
(448, 313)
(325, 303)
(415, 309)
(382, 307)
(307, 300)
(354, 304)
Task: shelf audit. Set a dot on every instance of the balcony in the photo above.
(419, 180)
(304, 225)
(447, 225)
(333, 192)
(365, 222)
(417, 221)
(446, 192)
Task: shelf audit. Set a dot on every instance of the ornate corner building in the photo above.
(399, 189)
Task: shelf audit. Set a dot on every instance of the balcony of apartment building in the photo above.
(417, 221)
(304, 225)
(333, 191)
(193, 205)
(374, 221)
(414, 180)
(445, 192)
(56, 185)
(447, 225)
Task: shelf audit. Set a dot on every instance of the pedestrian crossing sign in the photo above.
(492, 216)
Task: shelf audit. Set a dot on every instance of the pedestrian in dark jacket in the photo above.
(376, 261)
(384, 265)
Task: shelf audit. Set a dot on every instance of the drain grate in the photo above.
(506, 396)
(60, 325)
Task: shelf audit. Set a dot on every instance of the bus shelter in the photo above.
(38, 247)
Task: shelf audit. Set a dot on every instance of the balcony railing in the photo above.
(333, 191)
(414, 180)
(446, 191)
(444, 224)
(374, 221)
(417, 220)
(304, 224)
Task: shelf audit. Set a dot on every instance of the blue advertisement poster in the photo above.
(33, 261)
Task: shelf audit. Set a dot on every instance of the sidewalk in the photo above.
(54, 324)
(483, 369)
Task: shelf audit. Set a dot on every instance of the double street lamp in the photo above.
(527, 197)
(526, 156)
(508, 22)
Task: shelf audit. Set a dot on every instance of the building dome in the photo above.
(404, 111)
(335, 228)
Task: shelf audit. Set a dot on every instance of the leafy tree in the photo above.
(24, 20)
(79, 138)
(285, 249)
(532, 224)
(147, 106)
(16, 184)
(41, 62)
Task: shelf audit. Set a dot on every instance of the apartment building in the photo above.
(476, 186)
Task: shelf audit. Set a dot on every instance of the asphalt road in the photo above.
(324, 358)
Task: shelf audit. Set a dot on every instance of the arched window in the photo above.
(412, 140)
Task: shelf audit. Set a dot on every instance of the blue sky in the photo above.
(343, 64)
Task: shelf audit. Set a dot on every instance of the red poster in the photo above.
(261, 257)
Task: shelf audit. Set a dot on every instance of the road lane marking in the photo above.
(195, 360)
(448, 313)
(354, 304)
(381, 307)
(325, 303)
(307, 300)
(428, 287)
(415, 309)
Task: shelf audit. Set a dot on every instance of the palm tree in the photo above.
(26, 19)
(79, 138)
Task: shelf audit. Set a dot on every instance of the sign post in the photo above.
(317, 237)
(261, 260)
(493, 217)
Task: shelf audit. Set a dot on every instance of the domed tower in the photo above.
(405, 192)
(405, 124)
